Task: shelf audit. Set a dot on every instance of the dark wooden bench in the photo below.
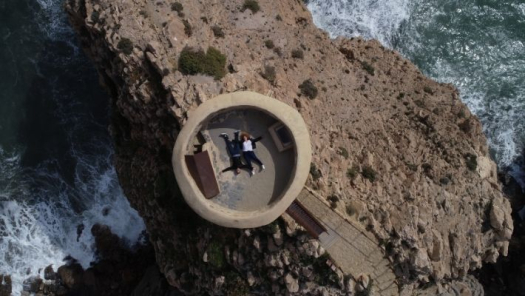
(302, 216)
(199, 165)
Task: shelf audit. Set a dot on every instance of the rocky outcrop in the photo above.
(117, 271)
(5, 285)
(393, 149)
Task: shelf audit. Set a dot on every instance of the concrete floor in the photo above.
(242, 192)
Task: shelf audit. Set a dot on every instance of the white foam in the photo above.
(39, 228)
(379, 19)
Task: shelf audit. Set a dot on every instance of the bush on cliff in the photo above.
(315, 172)
(216, 254)
(95, 16)
(192, 62)
(352, 172)
(188, 29)
(471, 161)
(369, 173)
(235, 285)
(125, 45)
(217, 31)
(177, 6)
(269, 74)
(297, 54)
(368, 68)
(308, 89)
(251, 5)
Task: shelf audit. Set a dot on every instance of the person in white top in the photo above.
(248, 145)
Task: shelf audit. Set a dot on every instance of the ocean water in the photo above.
(478, 45)
(56, 172)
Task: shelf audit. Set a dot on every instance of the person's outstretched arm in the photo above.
(256, 139)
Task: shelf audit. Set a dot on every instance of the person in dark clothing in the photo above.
(248, 145)
(234, 149)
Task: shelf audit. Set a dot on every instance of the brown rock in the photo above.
(71, 275)
(292, 283)
(49, 273)
(5, 285)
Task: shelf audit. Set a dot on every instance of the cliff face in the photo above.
(400, 152)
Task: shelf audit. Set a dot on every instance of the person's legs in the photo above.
(254, 158)
(229, 146)
(248, 159)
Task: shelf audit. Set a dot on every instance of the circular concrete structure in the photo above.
(233, 105)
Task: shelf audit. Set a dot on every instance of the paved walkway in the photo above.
(352, 249)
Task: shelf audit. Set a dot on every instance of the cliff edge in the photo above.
(392, 149)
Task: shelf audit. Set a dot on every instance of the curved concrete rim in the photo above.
(221, 215)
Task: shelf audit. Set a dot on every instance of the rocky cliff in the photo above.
(391, 148)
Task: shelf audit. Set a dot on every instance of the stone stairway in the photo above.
(352, 248)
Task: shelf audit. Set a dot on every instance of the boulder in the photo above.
(71, 275)
(292, 283)
(5, 285)
(49, 273)
(32, 284)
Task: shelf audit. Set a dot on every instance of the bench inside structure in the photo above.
(201, 169)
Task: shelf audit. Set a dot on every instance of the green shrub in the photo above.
(215, 254)
(352, 172)
(278, 17)
(269, 44)
(125, 45)
(369, 173)
(192, 62)
(411, 166)
(298, 54)
(315, 172)
(343, 152)
(466, 126)
(401, 96)
(95, 16)
(144, 13)
(269, 74)
(419, 103)
(427, 167)
(444, 181)
(350, 210)
(333, 198)
(368, 68)
(428, 90)
(188, 30)
(235, 285)
(177, 6)
(217, 31)
(308, 89)
(252, 5)
(471, 161)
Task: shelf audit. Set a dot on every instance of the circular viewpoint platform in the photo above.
(234, 199)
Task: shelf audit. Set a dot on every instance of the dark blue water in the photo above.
(478, 45)
(56, 167)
